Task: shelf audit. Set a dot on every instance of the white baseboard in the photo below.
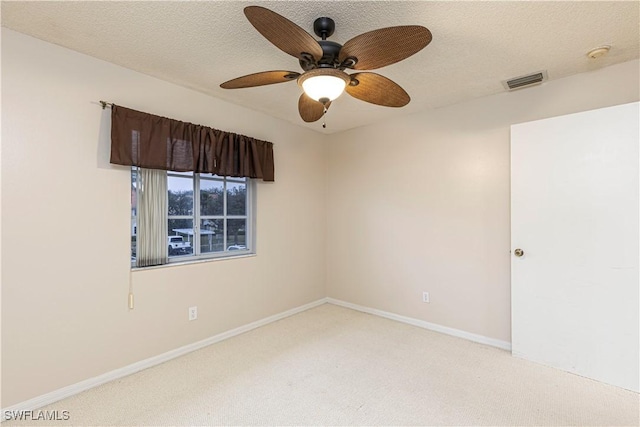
(56, 395)
(426, 325)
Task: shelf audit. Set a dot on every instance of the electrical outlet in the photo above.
(425, 297)
(193, 313)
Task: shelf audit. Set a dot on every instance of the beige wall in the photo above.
(422, 203)
(66, 215)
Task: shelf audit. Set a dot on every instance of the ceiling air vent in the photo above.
(525, 81)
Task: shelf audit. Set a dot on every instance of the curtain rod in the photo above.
(105, 104)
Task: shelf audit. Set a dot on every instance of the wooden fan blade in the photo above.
(310, 110)
(260, 79)
(385, 46)
(284, 34)
(377, 89)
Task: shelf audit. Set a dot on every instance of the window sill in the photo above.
(190, 262)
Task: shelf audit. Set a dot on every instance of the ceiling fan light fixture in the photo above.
(324, 84)
(323, 87)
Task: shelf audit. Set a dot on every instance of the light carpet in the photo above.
(335, 366)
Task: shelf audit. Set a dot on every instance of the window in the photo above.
(216, 222)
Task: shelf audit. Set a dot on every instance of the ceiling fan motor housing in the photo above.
(331, 51)
(330, 54)
(323, 27)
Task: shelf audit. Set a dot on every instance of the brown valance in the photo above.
(154, 142)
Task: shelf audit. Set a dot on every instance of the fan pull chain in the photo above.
(324, 113)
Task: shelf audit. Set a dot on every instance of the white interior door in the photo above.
(575, 192)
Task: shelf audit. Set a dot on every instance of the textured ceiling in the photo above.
(476, 45)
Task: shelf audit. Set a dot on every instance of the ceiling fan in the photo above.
(324, 62)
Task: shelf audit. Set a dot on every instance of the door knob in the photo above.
(518, 252)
